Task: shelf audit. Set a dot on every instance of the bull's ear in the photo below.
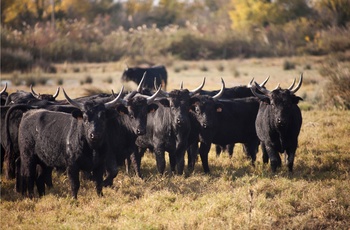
(77, 114)
(296, 99)
(152, 108)
(165, 102)
(219, 107)
(122, 109)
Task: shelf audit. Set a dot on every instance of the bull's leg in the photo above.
(40, 179)
(230, 148)
(218, 150)
(203, 152)
(160, 159)
(111, 169)
(172, 160)
(28, 168)
(265, 155)
(275, 158)
(73, 176)
(136, 162)
(192, 153)
(48, 177)
(290, 159)
(180, 161)
(250, 149)
(98, 176)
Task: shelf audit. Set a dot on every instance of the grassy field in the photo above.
(234, 196)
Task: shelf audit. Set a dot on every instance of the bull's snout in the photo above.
(205, 125)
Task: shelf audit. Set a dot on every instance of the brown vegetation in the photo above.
(235, 195)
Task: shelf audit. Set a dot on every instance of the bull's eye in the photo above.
(131, 116)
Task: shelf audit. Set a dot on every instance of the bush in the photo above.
(337, 91)
(288, 65)
(17, 59)
(88, 79)
(60, 81)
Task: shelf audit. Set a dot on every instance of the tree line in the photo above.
(109, 30)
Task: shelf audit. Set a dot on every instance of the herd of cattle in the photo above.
(99, 133)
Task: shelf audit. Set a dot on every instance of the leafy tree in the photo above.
(334, 12)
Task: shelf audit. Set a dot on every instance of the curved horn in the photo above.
(33, 93)
(57, 92)
(199, 88)
(292, 85)
(182, 85)
(299, 84)
(72, 102)
(221, 92)
(277, 87)
(151, 98)
(261, 89)
(4, 89)
(250, 84)
(112, 103)
(139, 87)
(264, 82)
(262, 97)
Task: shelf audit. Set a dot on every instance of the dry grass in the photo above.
(234, 196)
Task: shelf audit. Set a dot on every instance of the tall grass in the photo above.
(234, 196)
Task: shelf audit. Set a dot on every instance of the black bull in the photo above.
(225, 122)
(154, 74)
(74, 141)
(278, 123)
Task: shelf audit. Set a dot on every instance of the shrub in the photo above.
(337, 91)
(60, 81)
(88, 79)
(288, 65)
(17, 59)
(221, 67)
(203, 68)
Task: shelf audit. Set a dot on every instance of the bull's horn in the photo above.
(261, 89)
(277, 87)
(199, 88)
(253, 88)
(4, 89)
(57, 92)
(299, 84)
(111, 103)
(33, 93)
(72, 102)
(151, 98)
(182, 85)
(292, 85)
(139, 87)
(221, 92)
(250, 84)
(264, 82)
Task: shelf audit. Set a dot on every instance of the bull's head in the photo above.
(280, 101)
(93, 115)
(47, 97)
(206, 108)
(135, 108)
